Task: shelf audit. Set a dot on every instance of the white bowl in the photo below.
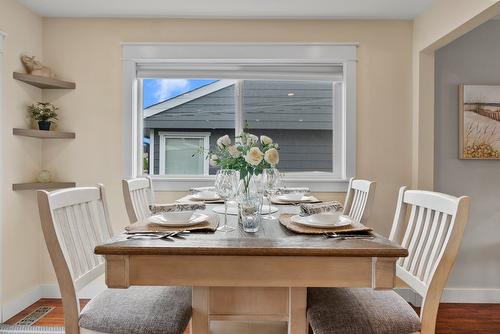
(207, 195)
(177, 216)
(292, 196)
(324, 218)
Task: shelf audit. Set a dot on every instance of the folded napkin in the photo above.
(158, 208)
(200, 189)
(311, 209)
(292, 190)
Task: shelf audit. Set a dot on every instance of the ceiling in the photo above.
(257, 9)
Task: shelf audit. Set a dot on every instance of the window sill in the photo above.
(314, 182)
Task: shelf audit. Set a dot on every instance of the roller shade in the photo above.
(272, 71)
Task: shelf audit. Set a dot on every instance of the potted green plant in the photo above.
(44, 113)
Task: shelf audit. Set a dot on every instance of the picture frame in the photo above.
(479, 122)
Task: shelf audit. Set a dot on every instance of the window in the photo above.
(299, 115)
(178, 98)
(179, 153)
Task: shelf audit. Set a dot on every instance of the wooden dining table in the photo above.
(244, 279)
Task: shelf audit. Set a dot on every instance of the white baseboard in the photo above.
(18, 304)
(90, 291)
(15, 306)
(461, 295)
(456, 295)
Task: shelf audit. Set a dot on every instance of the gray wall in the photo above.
(474, 58)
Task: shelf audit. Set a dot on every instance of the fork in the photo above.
(148, 235)
(334, 235)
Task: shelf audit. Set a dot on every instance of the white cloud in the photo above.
(169, 88)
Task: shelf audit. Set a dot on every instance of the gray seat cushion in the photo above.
(139, 310)
(359, 311)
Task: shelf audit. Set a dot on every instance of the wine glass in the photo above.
(272, 183)
(226, 186)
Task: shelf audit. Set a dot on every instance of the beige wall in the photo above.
(88, 52)
(21, 157)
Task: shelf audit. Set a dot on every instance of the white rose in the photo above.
(265, 140)
(272, 156)
(252, 139)
(224, 141)
(254, 156)
(213, 160)
(233, 150)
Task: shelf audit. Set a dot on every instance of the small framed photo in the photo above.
(479, 119)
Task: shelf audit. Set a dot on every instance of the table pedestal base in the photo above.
(249, 310)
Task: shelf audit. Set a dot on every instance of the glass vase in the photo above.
(249, 203)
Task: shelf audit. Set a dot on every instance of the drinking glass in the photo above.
(226, 186)
(272, 183)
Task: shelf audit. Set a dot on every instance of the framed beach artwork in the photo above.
(479, 122)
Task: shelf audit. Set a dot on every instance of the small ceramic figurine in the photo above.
(34, 67)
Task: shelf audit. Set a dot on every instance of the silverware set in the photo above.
(345, 236)
(155, 235)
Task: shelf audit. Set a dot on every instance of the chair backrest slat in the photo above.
(359, 199)
(138, 195)
(432, 233)
(422, 242)
(74, 222)
(414, 238)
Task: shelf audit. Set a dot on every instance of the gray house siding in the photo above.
(215, 110)
(299, 149)
(301, 124)
(268, 106)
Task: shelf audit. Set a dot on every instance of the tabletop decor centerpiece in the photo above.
(44, 113)
(249, 155)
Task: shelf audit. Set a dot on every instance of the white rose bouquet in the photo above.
(249, 155)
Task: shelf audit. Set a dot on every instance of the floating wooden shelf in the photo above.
(43, 134)
(42, 185)
(43, 82)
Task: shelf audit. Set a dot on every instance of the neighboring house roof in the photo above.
(189, 96)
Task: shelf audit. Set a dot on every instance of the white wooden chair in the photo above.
(76, 220)
(359, 199)
(138, 195)
(430, 225)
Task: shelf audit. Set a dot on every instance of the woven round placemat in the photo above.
(285, 220)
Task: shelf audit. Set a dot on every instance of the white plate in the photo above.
(232, 209)
(197, 218)
(322, 220)
(205, 196)
(293, 198)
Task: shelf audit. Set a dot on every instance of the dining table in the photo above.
(260, 279)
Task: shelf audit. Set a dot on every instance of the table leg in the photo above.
(297, 322)
(199, 320)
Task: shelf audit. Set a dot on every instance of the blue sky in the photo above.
(158, 90)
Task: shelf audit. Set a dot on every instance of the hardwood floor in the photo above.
(452, 318)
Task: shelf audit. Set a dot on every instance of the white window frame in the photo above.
(190, 135)
(195, 53)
